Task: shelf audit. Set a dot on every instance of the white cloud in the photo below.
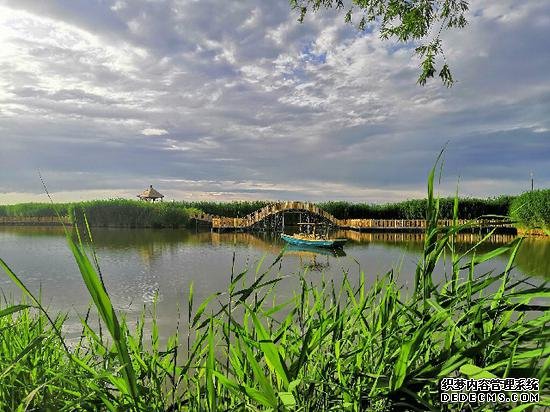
(246, 93)
(154, 132)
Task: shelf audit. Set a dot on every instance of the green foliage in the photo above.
(353, 346)
(228, 209)
(468, 208)
(94, 283)
(110, 213)
(33, 368)
(348, 347)
(532, 209)
(131, 213)
(34, 209)
(414, 21)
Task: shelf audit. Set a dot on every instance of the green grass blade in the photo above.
(105, 308)
(272, 355)
(13, 309)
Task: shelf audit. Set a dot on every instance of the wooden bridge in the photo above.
(271, 217)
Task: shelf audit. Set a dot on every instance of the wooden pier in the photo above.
(271, 218)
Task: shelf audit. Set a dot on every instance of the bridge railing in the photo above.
(205, 217)
(250, 220)
(273, 208)
(382, 223)
(418, 223)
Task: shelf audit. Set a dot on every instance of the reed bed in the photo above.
(131, 214)
(228, 209)
(531, 210)
(330, 347)
(111, 213)
(469, 208)
(34, 209)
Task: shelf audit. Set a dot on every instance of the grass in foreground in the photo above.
(334, 347)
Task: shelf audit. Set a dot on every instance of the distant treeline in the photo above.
(34, 209)
(110, 213)
(131, 213)
(468, 208)
(531, 209)
(228, 209)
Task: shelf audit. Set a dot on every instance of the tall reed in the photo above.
(111, 213)
(131, 213)
(469, 208)
(330, 347)
(531, 210)
(123, 212)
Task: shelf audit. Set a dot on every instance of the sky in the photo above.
(226, 100)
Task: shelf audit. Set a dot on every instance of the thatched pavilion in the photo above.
(150, 194)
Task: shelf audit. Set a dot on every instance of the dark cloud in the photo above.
(236, 99)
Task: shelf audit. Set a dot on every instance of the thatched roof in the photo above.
(150, 193)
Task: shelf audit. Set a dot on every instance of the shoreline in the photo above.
(534, 233)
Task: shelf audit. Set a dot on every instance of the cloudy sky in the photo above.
(216, 99)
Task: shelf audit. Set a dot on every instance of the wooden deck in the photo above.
(34, 221)
(220, 223)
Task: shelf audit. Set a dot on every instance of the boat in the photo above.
(302, 239)
(309, 251)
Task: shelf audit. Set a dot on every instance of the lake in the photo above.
(139, 264)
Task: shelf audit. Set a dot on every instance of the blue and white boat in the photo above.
(300, 239)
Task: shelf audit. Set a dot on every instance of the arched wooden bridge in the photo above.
(261, 215)
(312, 213)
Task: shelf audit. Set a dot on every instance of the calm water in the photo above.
(137, 264)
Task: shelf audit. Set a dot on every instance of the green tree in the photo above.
(419, 21)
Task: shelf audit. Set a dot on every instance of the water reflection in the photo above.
(417, 239)
(153, 245)
(139, 264)
(305, 250)
(312, 257)
(533, 257)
